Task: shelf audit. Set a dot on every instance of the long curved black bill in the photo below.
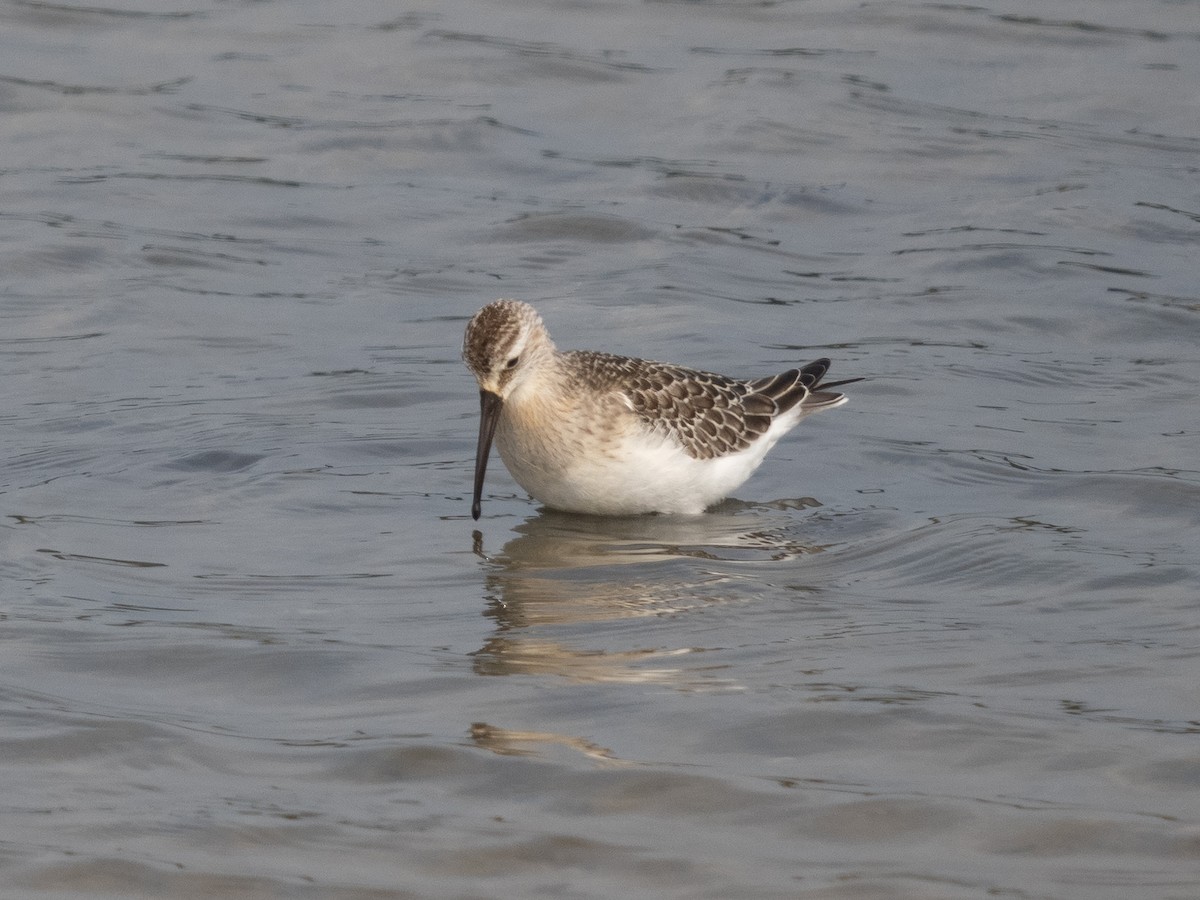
(489, 415)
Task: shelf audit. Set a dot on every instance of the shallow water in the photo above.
(943, 644)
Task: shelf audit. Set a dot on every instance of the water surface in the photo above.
(943, 644)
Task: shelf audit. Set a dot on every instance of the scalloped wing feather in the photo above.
(708, 415)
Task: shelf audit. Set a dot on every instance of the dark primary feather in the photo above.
(710, 415)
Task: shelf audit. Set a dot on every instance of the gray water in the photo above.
(944, 644)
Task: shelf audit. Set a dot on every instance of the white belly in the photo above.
(638, 473)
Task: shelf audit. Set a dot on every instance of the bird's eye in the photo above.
(512, 363)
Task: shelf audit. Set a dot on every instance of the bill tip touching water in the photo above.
(591, 432)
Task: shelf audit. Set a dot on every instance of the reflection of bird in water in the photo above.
(566, 570)
(518, 655)
(596, 433)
